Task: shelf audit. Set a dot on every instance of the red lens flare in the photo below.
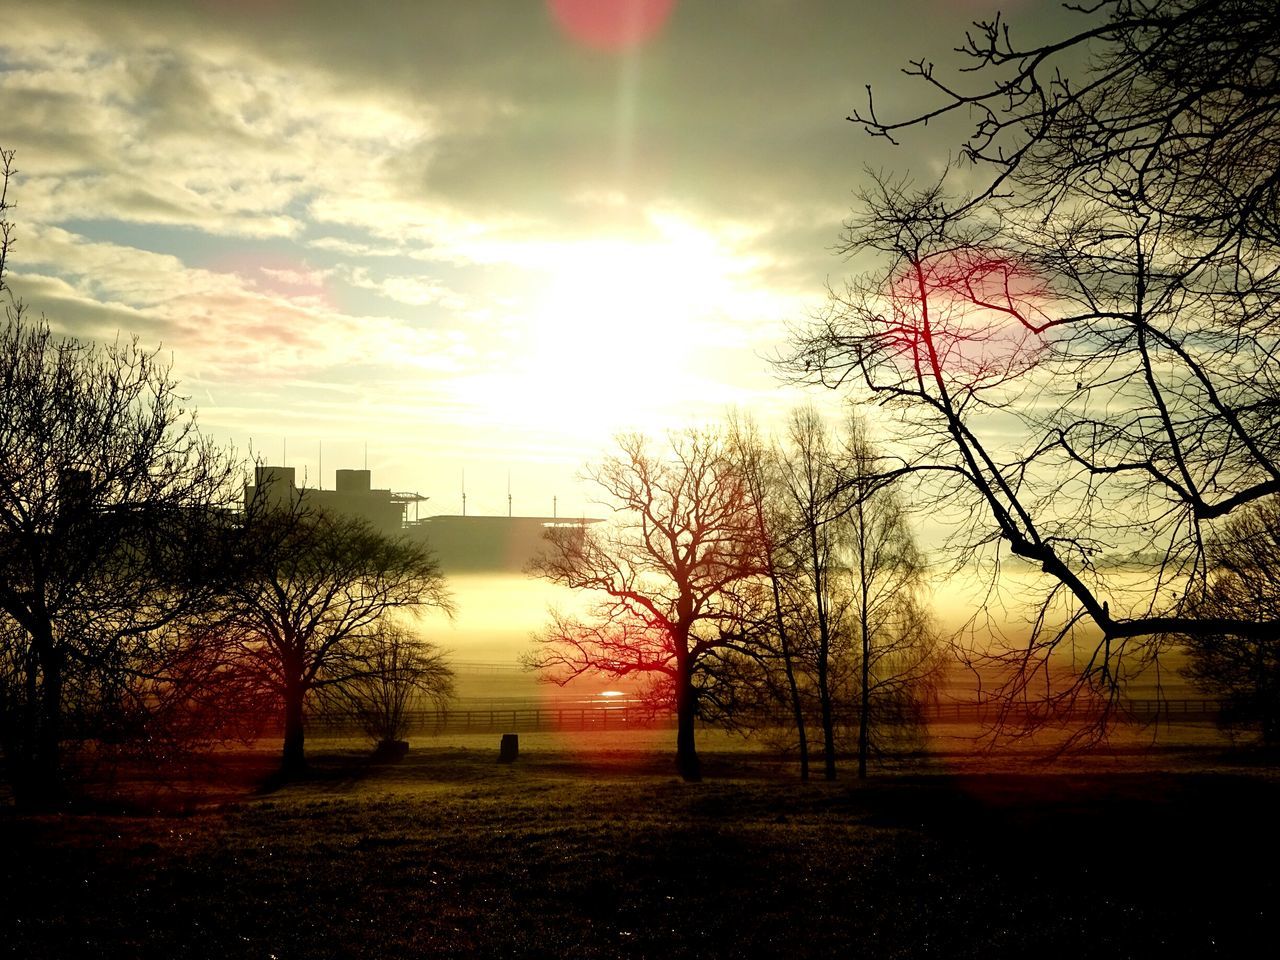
(607, 680)
(979, 313)
(611, 25)
(277, 275)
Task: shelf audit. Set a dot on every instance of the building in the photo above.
(353, 496)
(487, 544)
(462, 544)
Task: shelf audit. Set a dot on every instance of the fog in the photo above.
(498, 614)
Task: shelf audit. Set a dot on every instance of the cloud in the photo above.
(248, 320)
(393, 214)
(413, 119)
(414, 291)
(210, 139)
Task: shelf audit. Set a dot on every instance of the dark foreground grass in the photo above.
(563, 855)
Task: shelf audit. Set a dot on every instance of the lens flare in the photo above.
(611, 25)
(979, 313)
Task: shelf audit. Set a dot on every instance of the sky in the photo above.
(448, 239)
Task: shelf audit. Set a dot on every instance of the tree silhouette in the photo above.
(109, 523)
(394, 671)
(1243, 669)
(759, 463)
(848, 626)
(110, 511)
(309, 610)
(895, 647)
(1083, 350)
(669, 572)
(814, 500)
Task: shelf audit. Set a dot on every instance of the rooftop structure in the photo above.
(463, 544)
(488, 544)
(353, 496)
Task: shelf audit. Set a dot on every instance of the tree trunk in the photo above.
(828, 721)
(687, 763)
(39, 784)
(797, 708)
(864, 705)
(824, 654)
(293, 761)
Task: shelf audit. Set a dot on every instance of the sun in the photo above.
(623, 334)
(612, 336)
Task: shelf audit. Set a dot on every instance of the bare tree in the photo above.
(396, 671)
(1242, 669)
(1083, 351)
(759, 465)
(669, 573)
(814, 500)
(317, 591)
(854, 584)
(897, 653)
(110, 504)
(7, 174)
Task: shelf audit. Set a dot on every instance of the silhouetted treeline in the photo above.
(1076, 333)
(144, 609)
(751, 579)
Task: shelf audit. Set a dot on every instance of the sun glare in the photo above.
(619, 331)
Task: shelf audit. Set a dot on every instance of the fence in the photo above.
(603, 717)
(520, 719)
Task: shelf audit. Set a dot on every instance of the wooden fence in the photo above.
(602, 717)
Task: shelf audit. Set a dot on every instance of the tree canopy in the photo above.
(1082, 348)
(111, 509)
(668, 572)
(310, 610)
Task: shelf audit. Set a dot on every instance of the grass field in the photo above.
(594, 849)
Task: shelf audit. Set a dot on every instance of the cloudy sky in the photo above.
(479, 235)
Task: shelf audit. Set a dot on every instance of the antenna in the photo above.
(366, 454)
(464, 491)
(320, 466)
(555, 508)
(284, 448)
(508, 494)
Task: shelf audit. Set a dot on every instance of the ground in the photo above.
(592, 848)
